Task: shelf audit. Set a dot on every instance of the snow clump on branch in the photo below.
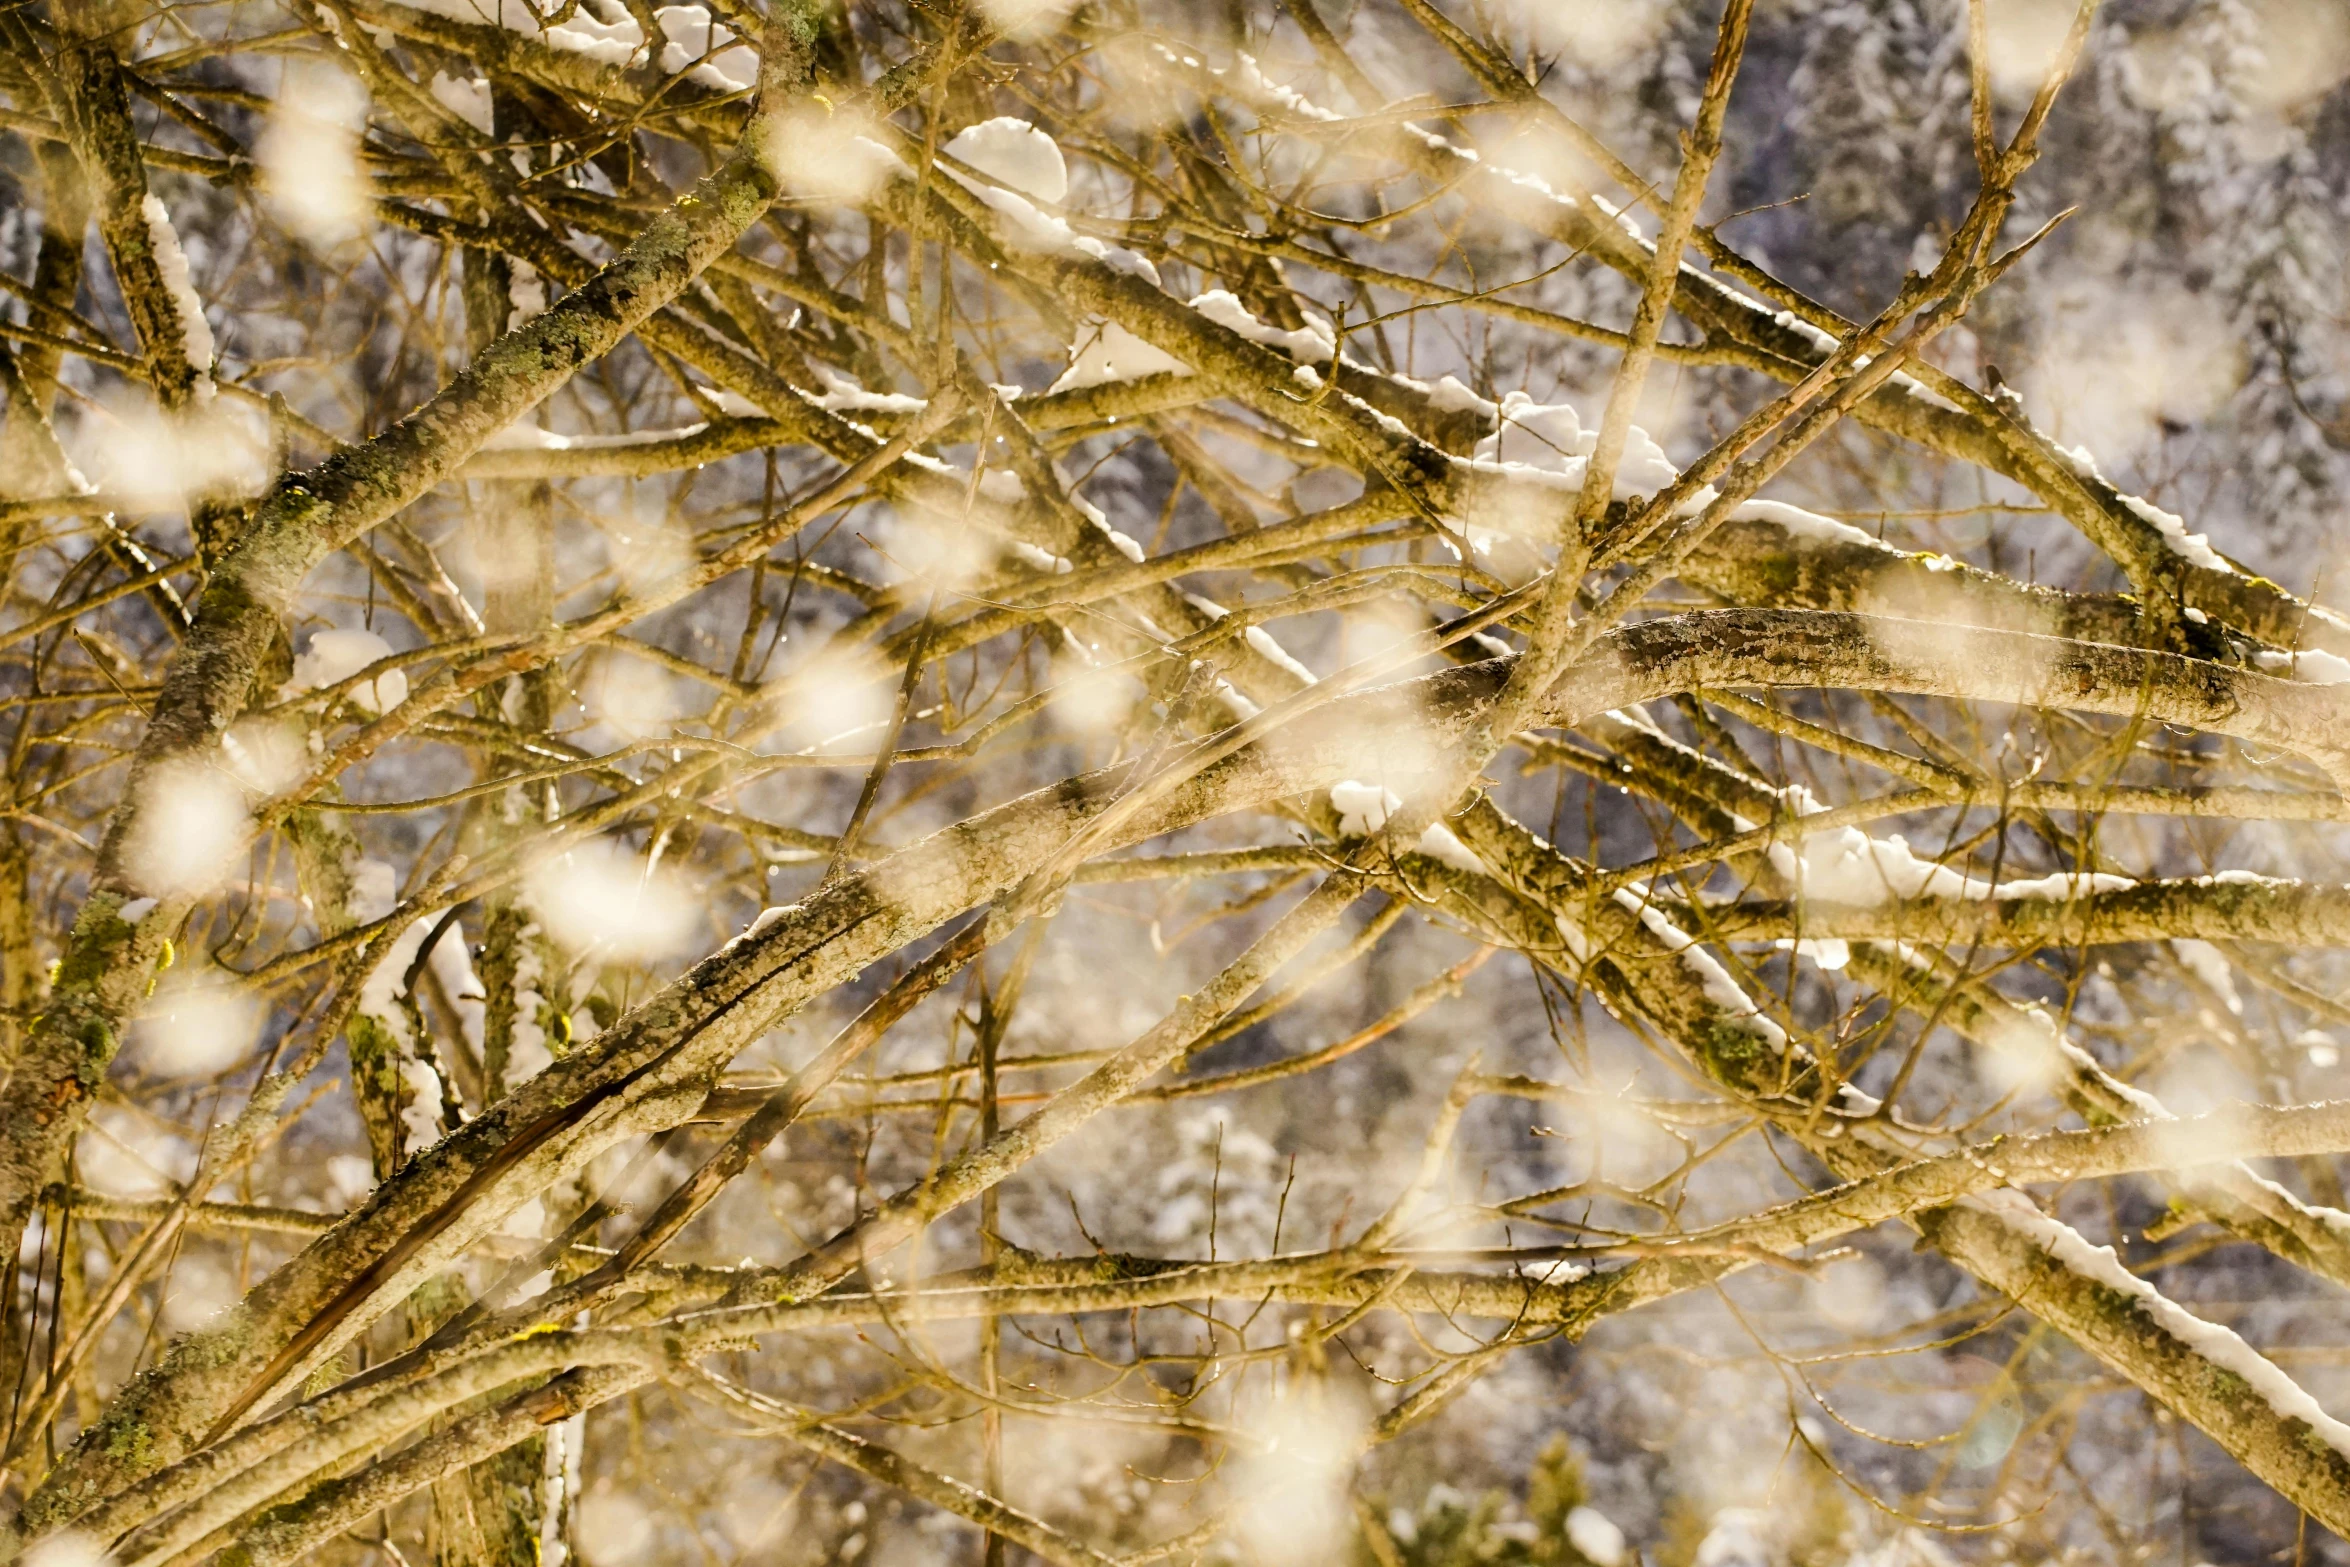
(1363, 809)
(1846, 865)
(334, 656)
(172, 262)
(694, 43)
